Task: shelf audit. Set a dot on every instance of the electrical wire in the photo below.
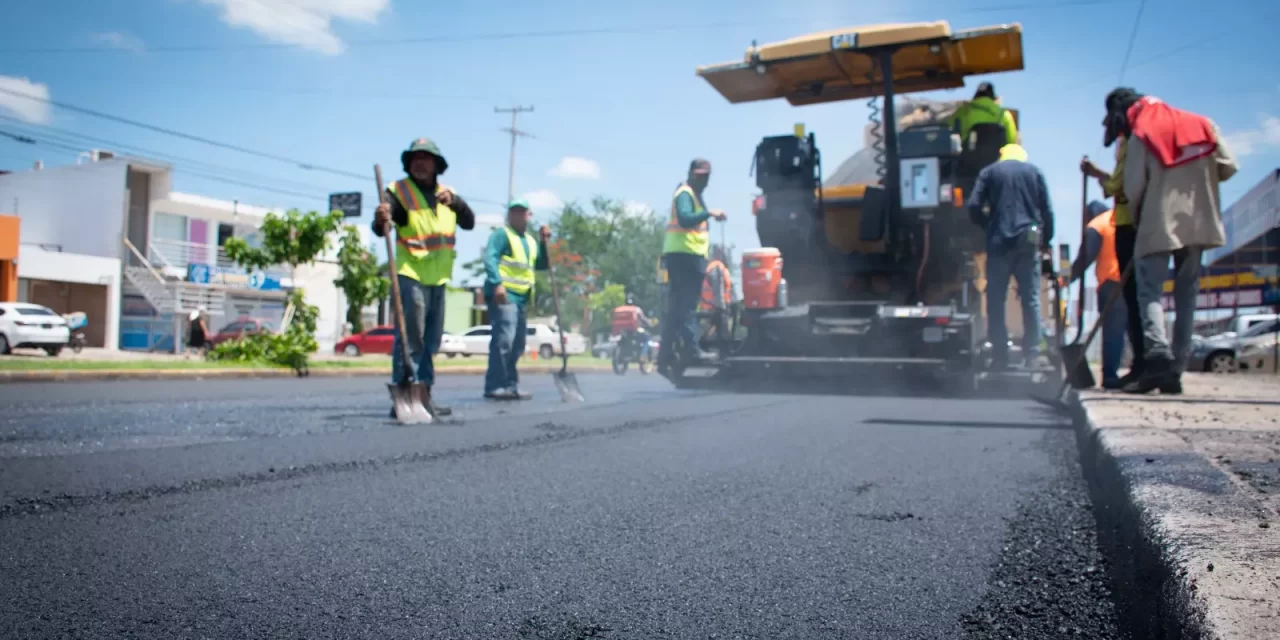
(1133, 37)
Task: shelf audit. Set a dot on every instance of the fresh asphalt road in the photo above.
(295, 509)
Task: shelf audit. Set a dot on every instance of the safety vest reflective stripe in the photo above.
(428, 243)
(516, 269)
(425, 243)
(409, 195)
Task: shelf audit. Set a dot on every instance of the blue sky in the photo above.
(343, 84)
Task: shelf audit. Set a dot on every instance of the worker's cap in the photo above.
(519, 203)
(986, 89)
(700, 166)
(424, 145)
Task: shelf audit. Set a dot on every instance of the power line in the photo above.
(516, 35)
(187, 136)
(515, 133)
(1133, 37)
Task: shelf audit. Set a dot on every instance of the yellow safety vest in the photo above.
(681, 240)
(424, 246)
(516, 269)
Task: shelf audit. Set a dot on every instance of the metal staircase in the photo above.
(169, 294)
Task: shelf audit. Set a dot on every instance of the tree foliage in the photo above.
(362, 281)
(293, 239)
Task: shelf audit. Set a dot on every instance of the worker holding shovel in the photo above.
(510, 260)
(426, 217)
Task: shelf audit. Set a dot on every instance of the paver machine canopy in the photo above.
(871, 266)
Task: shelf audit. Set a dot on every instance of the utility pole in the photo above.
(515, 133)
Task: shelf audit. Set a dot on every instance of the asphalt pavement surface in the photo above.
(296, 509)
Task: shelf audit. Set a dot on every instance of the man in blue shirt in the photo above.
(510, 259)
(1010, 201)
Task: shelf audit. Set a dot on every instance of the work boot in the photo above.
(437, 410)
(1172, 387)
(1157, 374)
(501, 394)
(1115, 383)
(1129, 378)
(521, 395)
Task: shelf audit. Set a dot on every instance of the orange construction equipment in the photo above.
(761, 277)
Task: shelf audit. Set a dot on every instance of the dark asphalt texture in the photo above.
(296, 509)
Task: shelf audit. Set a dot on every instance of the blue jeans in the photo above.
(1019, 260)
(1152, 271)
(685, 272)
(506, 344)
(1114, 326)
(423, 325)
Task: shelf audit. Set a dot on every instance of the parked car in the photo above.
(31, 326)
(542, 339)
(1220, 353)
(452, 346)
(1258, 354)
(378, 340)
(240, 328)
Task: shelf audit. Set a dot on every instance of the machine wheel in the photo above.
(1220, 362)
(351, 350)
(546, 352)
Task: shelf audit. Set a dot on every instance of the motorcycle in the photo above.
(629, 350)
(76, 320)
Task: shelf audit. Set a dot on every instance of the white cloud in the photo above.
(1250, 141)
(35, 109)
(119, 40)
(575, 167)
(544, 201)
(306, 23)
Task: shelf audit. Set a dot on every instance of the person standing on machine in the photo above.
(984, 108)
(510, 260)
(1010, 200)
(717, 293)
(684, 254)
(1100, 247)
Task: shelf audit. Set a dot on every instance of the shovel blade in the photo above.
(1079, 374)
(408, 399)
(567, 385)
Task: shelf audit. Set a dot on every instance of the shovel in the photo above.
(1074, 354)
(1081, 376)
(409, 398)
(566, 383)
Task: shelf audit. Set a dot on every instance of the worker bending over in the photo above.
(684, 254)
(426, 215)
(984, 108)
(717, 293)
(1100, 247)
(1010, 201)
(510, 259)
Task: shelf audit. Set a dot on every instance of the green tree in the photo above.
(602, 303)
(293, 239)
(361, 280)
(618, 246)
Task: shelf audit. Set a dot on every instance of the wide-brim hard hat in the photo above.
(426, 145)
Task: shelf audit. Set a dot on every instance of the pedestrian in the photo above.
(1100, 249)
(684, 254)
(1126, 240)
(1173, 166)
(510, 260)
(1010, 200)
(197, 333)
(426, 216)
(717, 293)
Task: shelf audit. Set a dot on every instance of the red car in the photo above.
(240, 328)
(376, 340)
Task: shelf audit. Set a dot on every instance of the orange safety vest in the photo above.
(708, 295)
(1107, 266)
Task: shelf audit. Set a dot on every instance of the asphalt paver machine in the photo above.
(875, 278)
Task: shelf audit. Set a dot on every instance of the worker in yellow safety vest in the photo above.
(684, 254)
(510, 260)
(426, 216)
(984, 108)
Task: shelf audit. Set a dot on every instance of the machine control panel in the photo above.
(921, 185)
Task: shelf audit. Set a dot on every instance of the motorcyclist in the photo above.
(632, 327)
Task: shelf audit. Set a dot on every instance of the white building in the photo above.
(109, 237)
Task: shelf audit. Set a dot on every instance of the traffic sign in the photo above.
(347, 203)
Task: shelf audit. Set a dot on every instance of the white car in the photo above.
(32, 326)
(452, 346)
(542, 339)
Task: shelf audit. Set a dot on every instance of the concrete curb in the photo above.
(1176, 530)
(72, 375)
